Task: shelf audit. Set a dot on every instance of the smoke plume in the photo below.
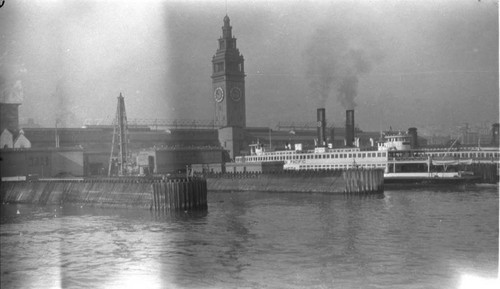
(11, 88)
(336, 59)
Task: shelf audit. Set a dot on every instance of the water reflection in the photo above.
(258, 240)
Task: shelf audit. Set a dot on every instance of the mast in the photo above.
(120, 132)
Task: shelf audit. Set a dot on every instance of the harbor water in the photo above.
(419, 238)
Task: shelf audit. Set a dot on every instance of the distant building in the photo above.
(9, 140)
(6, 140)
(21, 142)
(42, 162)
(174, 160)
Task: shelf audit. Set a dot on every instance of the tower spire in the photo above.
(226, 29)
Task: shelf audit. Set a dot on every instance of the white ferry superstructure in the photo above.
(393, 153)
(319, 158)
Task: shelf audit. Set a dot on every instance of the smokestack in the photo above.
(349, 128)
(412, 131)
(494, 134)
(321, 127)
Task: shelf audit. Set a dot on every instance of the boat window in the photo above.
(350, 155)
(363, 155)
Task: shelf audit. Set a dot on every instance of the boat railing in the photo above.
(420, 158)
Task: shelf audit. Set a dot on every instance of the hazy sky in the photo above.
(400, 63)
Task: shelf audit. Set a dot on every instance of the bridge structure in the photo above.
(156, 123)
(301, 126)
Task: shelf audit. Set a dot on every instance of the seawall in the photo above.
(150, 194)
(336, 182)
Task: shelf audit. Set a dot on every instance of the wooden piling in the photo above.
(363, 181)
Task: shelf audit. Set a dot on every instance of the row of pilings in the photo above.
(487, 173)
(179, 194)
(363, 181)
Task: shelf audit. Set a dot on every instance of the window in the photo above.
(219, 66)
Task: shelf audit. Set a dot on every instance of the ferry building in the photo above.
(171, 146)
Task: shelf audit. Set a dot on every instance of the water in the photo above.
(404, 239)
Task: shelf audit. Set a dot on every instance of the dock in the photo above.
(154, 194)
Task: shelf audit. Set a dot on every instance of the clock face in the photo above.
(219, 94)
(236, 94)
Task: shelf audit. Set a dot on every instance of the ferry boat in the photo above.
(395, 153)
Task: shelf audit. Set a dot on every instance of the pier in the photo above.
(353, 181)
(154, 194)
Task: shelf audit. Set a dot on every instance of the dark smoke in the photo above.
(358, 63)
(348, 89)
(336, 59)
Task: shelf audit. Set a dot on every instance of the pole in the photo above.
(57, 135)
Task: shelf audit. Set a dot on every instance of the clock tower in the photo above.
(228, 91)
